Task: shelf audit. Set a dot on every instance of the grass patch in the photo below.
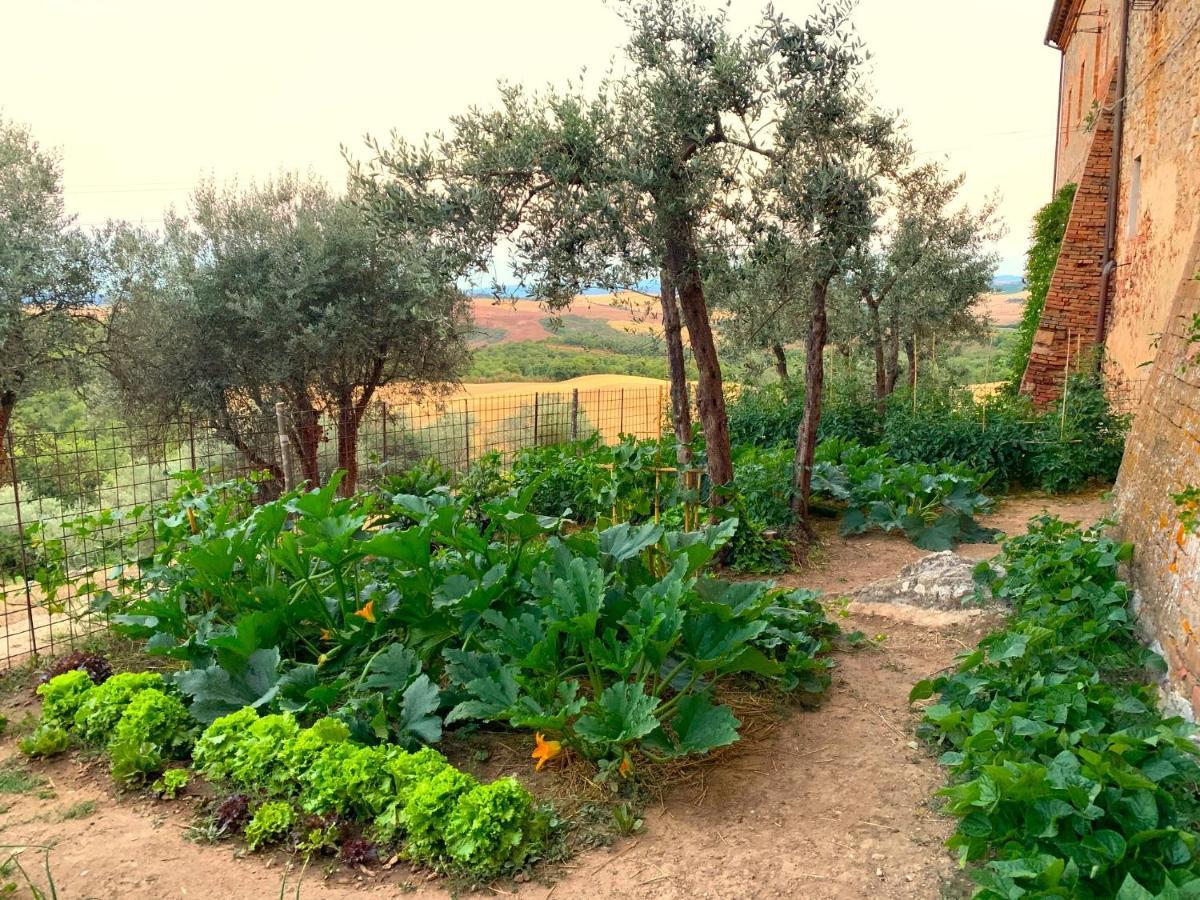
(17, 778)
(80, 810)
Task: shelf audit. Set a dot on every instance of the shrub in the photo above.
(62, 696)
(493, 828)
(271, 823)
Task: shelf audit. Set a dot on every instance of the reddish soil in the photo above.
(836, 802)
(521, 320)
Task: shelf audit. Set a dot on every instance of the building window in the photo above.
(1135, 199)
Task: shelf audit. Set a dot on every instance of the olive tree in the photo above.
(646, 173)
(280, 292)
(46, 282)
(922, 274)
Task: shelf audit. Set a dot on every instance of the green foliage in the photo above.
(624, 608)
(62, 696)
(568, 479)
(171, 783)
(46, 272)
(105, 704)
(296, 605)
(428, 810)
(935, 506)
(1187, 502)
(1049, 226)
(1003, 437)
(154, 728)
(271, 823)
(46, 740)
(420, 480)
(493, 828)
(1065, 778)
(549, 361)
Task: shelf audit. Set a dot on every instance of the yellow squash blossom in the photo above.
(367, 612)
(625, 767)
(544, 751)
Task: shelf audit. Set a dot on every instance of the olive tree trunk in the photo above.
(681, 412)
(682, 263)
(814, 386)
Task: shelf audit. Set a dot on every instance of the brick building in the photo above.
(1129, 136)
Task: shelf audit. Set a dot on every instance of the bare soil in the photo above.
(835, 802)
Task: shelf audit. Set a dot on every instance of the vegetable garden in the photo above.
(314, 651)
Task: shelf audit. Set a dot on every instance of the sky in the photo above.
(142, 98)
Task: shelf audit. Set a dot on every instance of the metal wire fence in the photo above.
(112, 477)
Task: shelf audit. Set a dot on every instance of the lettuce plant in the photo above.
(62, 696)
(104, 705)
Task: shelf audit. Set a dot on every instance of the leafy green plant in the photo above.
(103, 706)
(271, 823)
(46, 740)
(1066, 779)
(170, 783)
(624, 612)
(935, 507)
(494, 828)
(62, 697)
(155, 727)
(427, 811)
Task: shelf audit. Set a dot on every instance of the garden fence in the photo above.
(48, 481)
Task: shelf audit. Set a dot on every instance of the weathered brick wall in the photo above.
(1089, 56)
(1161, 458)
(1154, 241)
(1068, 322)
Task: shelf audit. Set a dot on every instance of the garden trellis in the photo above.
(49, 480)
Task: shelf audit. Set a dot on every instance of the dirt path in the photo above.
(835, 803)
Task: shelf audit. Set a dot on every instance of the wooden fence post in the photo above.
(575, 414)
(26, 568)
(287, 458)
(621, 417)
(467, 432)
(535, 419)
(383, 409)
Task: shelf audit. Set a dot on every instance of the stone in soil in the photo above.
(944, 581)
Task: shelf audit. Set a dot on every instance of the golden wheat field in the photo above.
(509, 415)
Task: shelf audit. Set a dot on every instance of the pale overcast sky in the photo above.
(142, 97)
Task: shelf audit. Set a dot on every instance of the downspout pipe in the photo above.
(1058, 117)
(1109, 264)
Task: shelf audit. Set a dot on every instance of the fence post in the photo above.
(383, 408)
(287, 459)
(574, 414)
(662, 414)
(621, 416)
(12, 469)
(192, 440)
(535, 419)
(467, 432)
